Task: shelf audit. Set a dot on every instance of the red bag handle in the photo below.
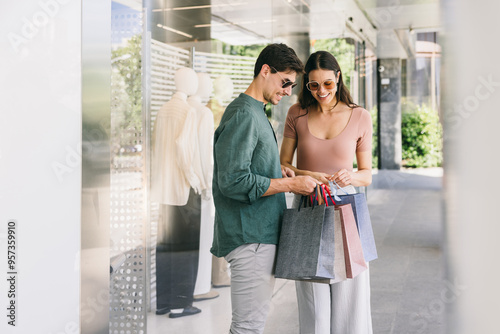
(325, 188)
(321, 190)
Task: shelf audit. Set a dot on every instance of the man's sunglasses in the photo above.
(314, 85)
(285, 83)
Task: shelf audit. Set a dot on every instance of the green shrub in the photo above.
(421, 134)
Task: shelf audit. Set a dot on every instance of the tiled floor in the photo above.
(408, 292)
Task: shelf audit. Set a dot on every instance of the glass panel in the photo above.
(128, 174)
(422, 73)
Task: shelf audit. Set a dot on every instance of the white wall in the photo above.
(471, 106)
(40, 167)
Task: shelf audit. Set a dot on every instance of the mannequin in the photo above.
(223, 91)
(175, 184)
(173, 145)
(205, 132)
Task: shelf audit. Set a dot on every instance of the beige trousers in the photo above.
(252, 284)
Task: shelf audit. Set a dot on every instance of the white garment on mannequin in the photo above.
(173, 145)
(205, 134)
(204, 279)
(204, 168)
(173, 152)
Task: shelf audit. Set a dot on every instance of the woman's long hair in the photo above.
(323, 60)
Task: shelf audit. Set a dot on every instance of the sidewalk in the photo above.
(407, 279)
(408, 292)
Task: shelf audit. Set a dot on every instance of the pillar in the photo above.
(41, 169)
(389, 113)
(471, 96)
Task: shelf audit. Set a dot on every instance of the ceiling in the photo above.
(381, 23)
(400, 14)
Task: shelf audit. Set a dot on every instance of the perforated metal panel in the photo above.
(128, 219)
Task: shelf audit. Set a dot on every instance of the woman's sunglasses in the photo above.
(314, 85)
(285, 83)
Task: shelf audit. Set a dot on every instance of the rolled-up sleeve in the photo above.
(237, 173)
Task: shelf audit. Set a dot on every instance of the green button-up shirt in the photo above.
(246, 158)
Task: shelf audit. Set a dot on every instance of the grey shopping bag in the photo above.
(306, 245)
(363, 222)
(349, 260)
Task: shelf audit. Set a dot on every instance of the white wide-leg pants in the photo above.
(339, 308)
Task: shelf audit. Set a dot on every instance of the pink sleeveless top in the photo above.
(329, 155)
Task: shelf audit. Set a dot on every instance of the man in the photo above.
(248, 188)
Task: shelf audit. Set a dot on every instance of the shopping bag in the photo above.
(353, 250)
(306, 245)
(339, 264)
(348, 254)
(363, 221)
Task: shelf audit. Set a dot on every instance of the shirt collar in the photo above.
(257, 103)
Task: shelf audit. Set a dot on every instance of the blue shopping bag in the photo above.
(363, 221)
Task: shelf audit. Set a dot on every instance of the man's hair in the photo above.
(280, 57)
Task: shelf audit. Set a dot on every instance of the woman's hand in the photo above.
(287, 172)
(342, 177)
(321, 177)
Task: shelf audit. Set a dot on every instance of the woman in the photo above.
(327, 129)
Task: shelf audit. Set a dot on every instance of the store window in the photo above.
(422, 72)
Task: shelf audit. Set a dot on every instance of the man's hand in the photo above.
(303, 185)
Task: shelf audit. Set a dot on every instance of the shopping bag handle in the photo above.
(334, 190)
(322, 190)
(325, 188)
(303, 199)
